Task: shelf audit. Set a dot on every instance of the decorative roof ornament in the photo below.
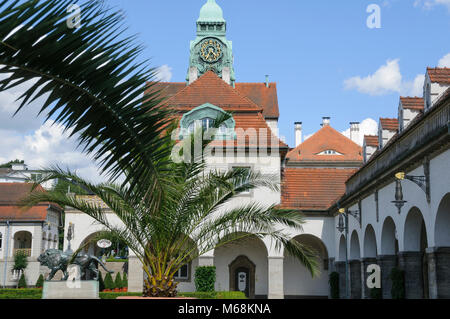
(211, 12)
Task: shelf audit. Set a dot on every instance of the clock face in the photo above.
(210, 50)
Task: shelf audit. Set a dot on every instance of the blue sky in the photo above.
(324, 58)
(310, 48)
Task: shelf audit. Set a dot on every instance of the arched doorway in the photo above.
(298, 282)
(413, 259)
(245, 256)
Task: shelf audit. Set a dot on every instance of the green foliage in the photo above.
(376, 293)
(27, 293)
(109, 283)
(114, 295)
(113, 260)
(20, 261)
(230, 295)
(334, 285)
(22, 282)
(398, 283)
(205, 278)
(125, 280)
(10, 163)
(118, 281)
(101, 283)
(40, 281)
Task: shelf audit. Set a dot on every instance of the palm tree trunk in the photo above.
(155, 286)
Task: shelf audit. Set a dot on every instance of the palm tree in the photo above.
(170, 212)
(192, 216)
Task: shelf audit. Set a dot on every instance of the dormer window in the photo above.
(329, 152)
(203, 117)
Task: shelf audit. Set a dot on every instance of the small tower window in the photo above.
(203, 27)
(219, 28)
(211, 28)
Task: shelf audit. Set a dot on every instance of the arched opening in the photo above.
(22, 243)
(55, 242)
(90, 247)
(298, 282)
(442, 224)
(370, 243)
(238, 274)
(389, 241)
(413, 259)
(355, 251)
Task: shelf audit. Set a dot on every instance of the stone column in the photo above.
(386, 263)
(364, 264)
(411, 263)
(36, 241)
(275, 280)
(135, 275)
(355, 279)
(340, 269)
(439, 272)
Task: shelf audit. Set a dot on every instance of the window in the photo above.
(329, 152)
(207, 123)
(36, 177)
(1, 236)
(182, 273)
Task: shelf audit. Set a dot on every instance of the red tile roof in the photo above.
(439, 75)
(371, 140)
(265, 97)
(389, 124)
(312, 188)
(209, 88)
(11, 194)
(413, 103)
(327, 138)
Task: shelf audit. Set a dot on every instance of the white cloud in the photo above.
(164, 73)
(429, 4)
(367, 127)
(46, 146)
(387, 79)
(445, 61)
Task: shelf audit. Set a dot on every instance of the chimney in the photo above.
(325, 121)
(267, 81)
(298, 133)
(354, 132)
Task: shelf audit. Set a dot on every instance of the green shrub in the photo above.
(40, 281)
(26, 293)
(20, 261)
(334, 285)
(398, 283)
(125, 280)
(114, 295)
(22, 282)
(101, 283)
(118, 281)
(375, 293)
(109, 283)
(231, 295)
(205, 278)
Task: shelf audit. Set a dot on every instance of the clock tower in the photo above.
(211, 50)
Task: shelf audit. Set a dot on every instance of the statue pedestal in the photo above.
(79, 289)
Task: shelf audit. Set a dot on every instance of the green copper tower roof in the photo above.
(211, 12)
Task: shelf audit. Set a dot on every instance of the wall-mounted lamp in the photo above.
(422, 181)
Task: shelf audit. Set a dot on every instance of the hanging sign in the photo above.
(104, 243)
